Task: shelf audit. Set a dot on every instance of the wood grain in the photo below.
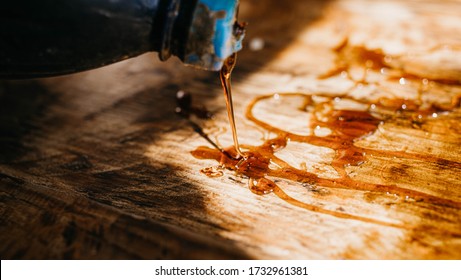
(97, 165)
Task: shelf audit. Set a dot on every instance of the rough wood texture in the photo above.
(98, 165)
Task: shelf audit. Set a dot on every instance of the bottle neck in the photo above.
(202, 33)
(171, 27)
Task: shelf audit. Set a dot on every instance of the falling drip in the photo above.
(225, 76)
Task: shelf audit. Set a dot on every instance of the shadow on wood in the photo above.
(75, 180)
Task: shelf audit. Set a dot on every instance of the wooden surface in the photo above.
(98, 165)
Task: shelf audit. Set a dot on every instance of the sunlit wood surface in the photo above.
(98, 165)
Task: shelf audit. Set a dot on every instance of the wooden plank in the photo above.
(98, 165)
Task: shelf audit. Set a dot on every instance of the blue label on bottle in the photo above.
(224, 26)
(222, 40)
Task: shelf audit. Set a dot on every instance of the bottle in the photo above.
(55, 37)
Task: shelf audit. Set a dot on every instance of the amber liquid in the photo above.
(225, 76)
(261, 165)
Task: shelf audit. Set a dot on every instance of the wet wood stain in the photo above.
(346, 126)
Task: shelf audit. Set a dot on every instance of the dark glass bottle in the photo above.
(55, 37)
